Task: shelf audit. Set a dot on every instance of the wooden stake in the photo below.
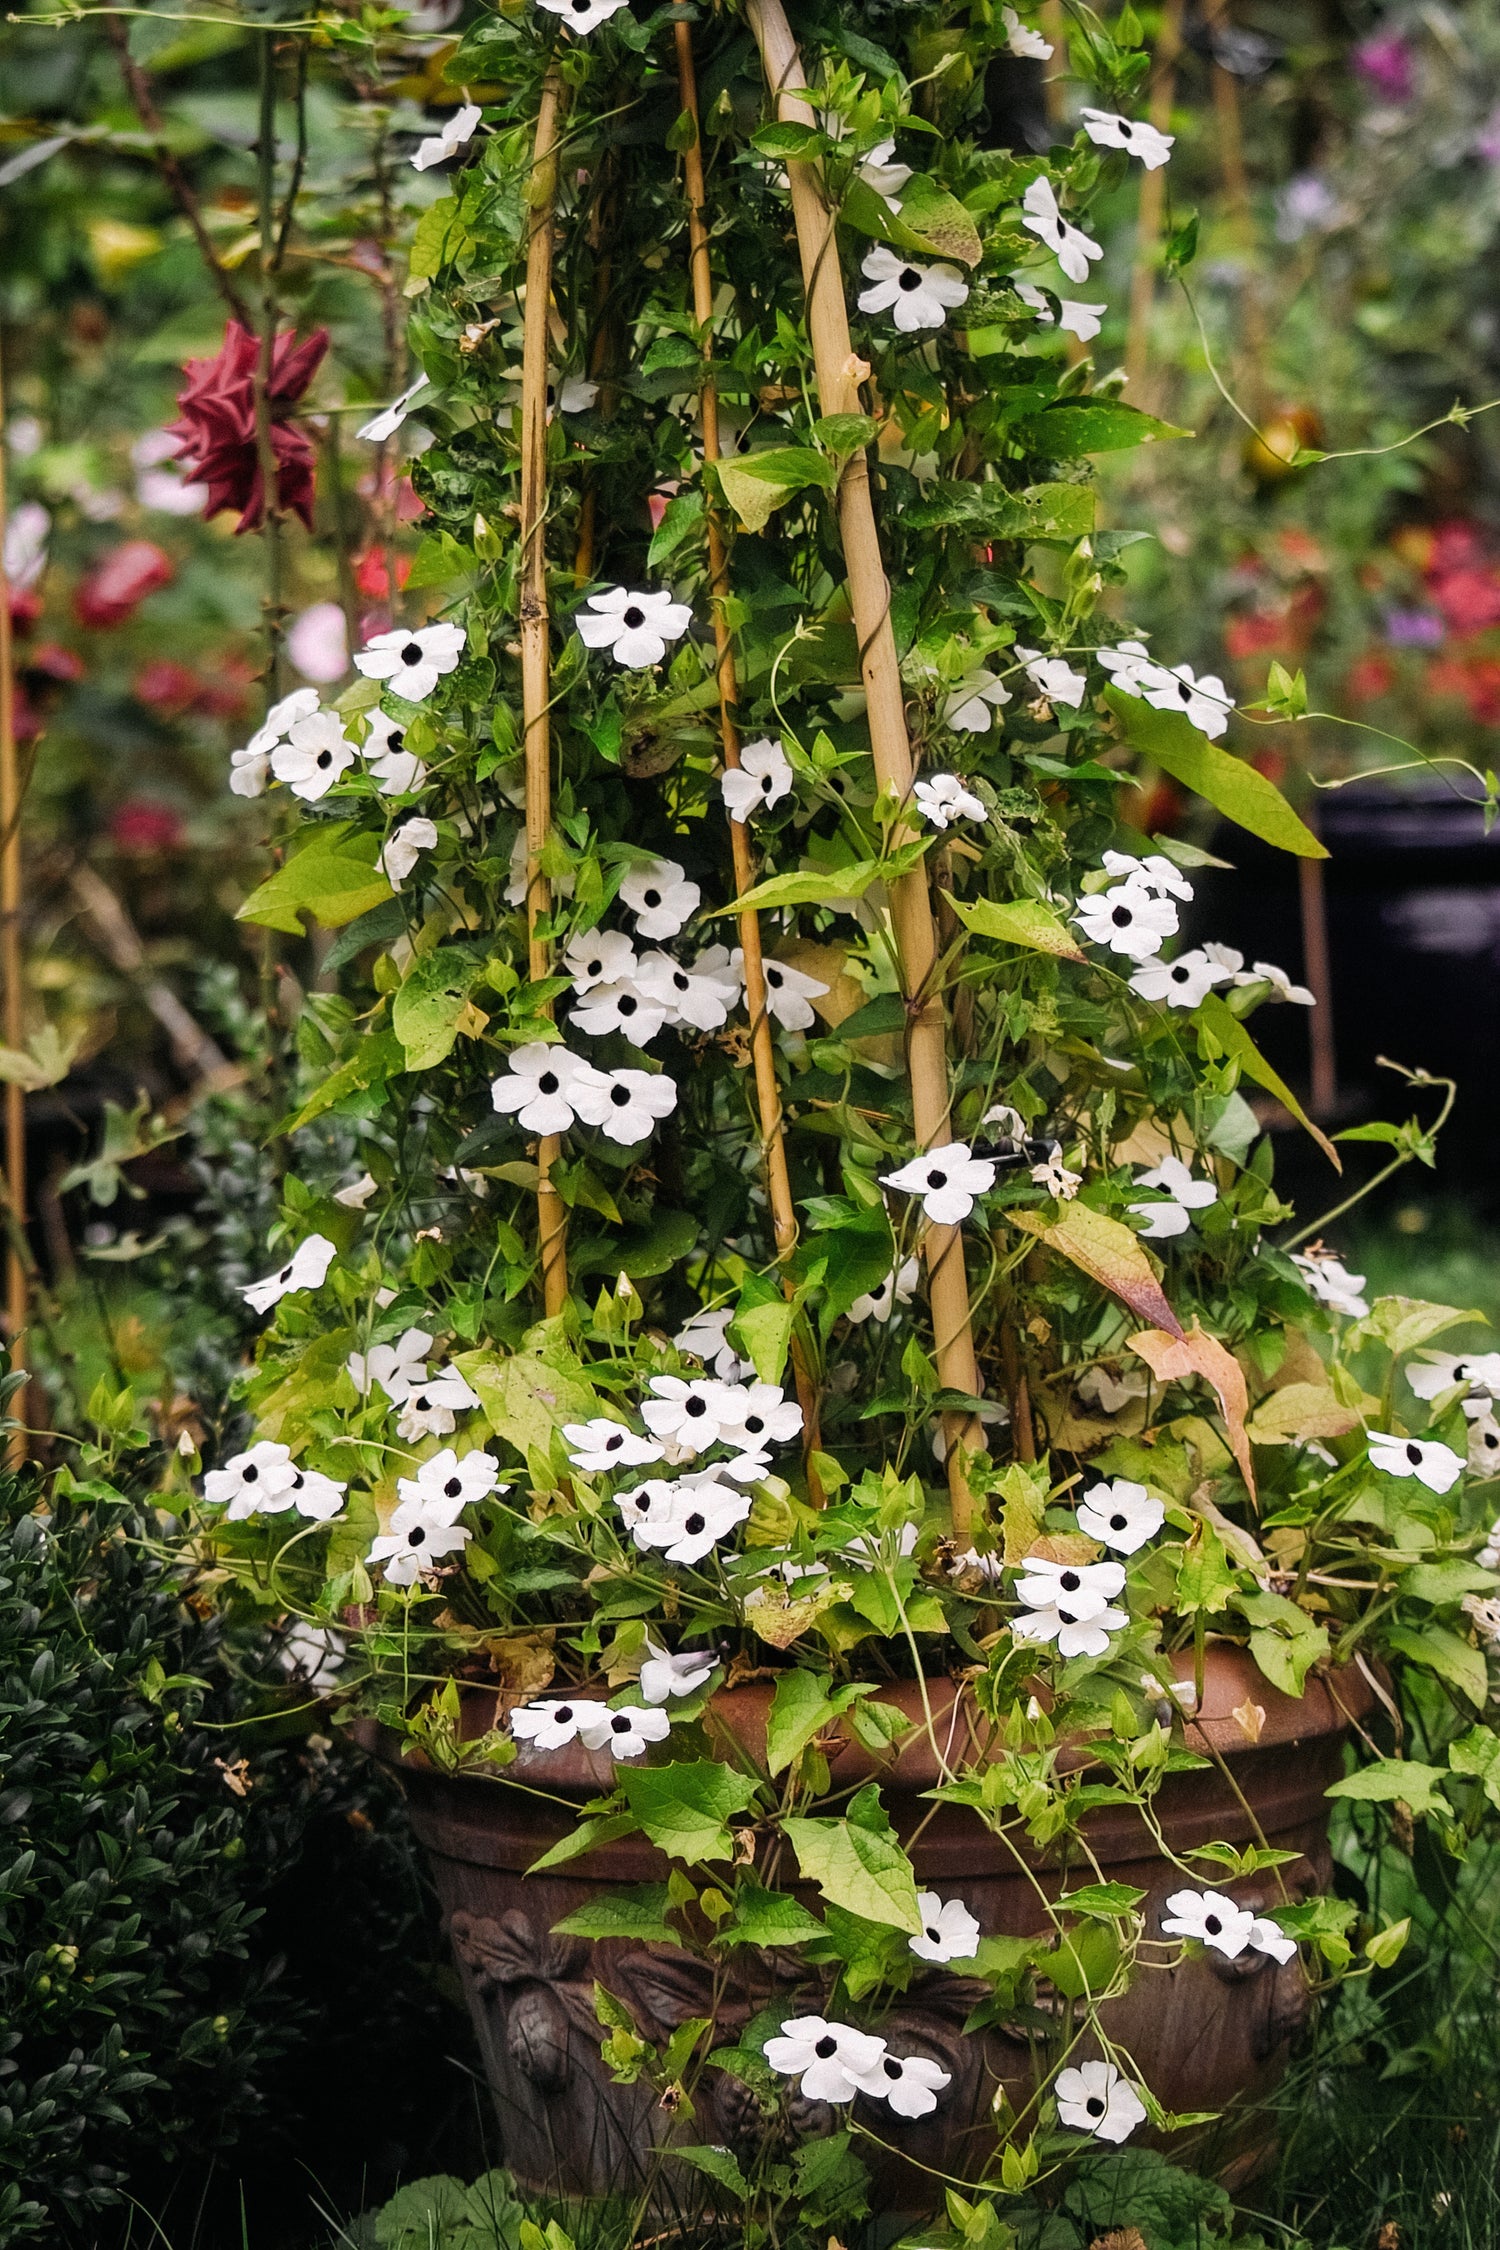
(762, 1045)
(12, 1005)
(1152, 201)
(536, 660)
(839, 374)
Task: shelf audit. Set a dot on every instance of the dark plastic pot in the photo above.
(1210, 2035)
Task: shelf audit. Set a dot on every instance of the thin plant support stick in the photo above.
(1152, 202)
(1318, 970)
(536, 658)
(762, 1046)
(11, 998)
(839, 375)
(270, 492)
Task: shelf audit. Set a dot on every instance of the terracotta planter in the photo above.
(1212, 2034)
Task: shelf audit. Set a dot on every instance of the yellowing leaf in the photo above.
(1299, 1412)
(430, 1004)
(1109, 1253)
(1173, 1358)
(1021, 921)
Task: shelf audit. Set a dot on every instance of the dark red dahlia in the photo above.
(116, 587)
(216, 432)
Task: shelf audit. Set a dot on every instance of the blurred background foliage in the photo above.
(1333, 206)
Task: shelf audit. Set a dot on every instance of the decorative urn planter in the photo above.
(1210, 2034)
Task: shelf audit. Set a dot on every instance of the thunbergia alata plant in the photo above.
(807, 1219)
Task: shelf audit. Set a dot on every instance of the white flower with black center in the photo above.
(1267, 1937)
(546, 1088)
(429, 1408)
(1107, 130)
(600, 957)
(1212, 1919)
(947, 1180)
(437, 149)
(385, 424)
(583, 16)
(909, 2084)
(1158, 875)
(944, 798)
(972, 702)
(398, 1368)
(701, 1513)
(624, 1733)
(598, 1446)
(307, 1268)
(313, 1495)
(247, 1480)
(397, 769)
(647, 1508)
(887, 179)
(622, 1006)
(1022, 40)
(1077, 1627)
(634, 627)
(916, 297)
(629, 1105)
(706, 1337)
(452, 1479)
(413, 661)
(660, 897)
(1133, 667)
(762, 777)
(1205, 704)
(1128, 919)
(1053, 677)
(1074, 318)
(1095, 2099)
(250, 767)
(1053, 1175)
(664, 1675)
(1073, 250)
(949, 1930)
(692, 1415)
(789, 992)
(829, 2059)
(698, 998)
(357, 1194)
(1331, 1282)
(547, 1725)
(898, 1288)
(1183, 1196)
(1427, 1459)
(424, 1528)
(1087, 1589)
(756, 1415)
(1436, 1372)
(1282, 987)
(403, 847)
(315, 755)
(1181, 983)
(1121, 1515)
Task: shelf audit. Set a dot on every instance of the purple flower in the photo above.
(1385, 64)
(1413, 628)
(1487, 139)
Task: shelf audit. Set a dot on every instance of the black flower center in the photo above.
(324, 760)
(547, 1083)
(1118, 1522)
(696, 1406)
(285, 1274)
(1184, 691)
(397, 739)
(934, 1935)
(1212, 1925)
(613, 1444)
(620, 1723)
(250, 1475)
(1180, 975)
(651, 898)
(909, 278)
(1122, 917)
(937, 1179)
(754, 1423)
(595, 968)
(412, 653)
(564, 1714)
(1093, 2106)
(693, 1523)
(1070, 1581)
(774, 979)
(1068, 1616)
(421, 1404)
(893, 2069)
(825, 2048)
(767, 783)
(1414, 1455)
(620, 1096)
(626, 1005)
(682, 980)
(415, 1536)
(634, 617)
(453, 1488)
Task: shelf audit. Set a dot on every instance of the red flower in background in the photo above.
(141, 825)
(216, 433)
(372, 573)
(119, 584)
(166, 686)
(1370, 676)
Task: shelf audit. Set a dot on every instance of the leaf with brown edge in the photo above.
(1109, 1253)
(1172, 1359)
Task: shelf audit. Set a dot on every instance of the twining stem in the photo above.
(839, 375)
(12, 1021)
(762, 1046)
(536, 660)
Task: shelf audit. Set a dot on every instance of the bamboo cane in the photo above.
(11, 997)
(762, 1046)
(839, 375)
(536, 670)
(1152, 202)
